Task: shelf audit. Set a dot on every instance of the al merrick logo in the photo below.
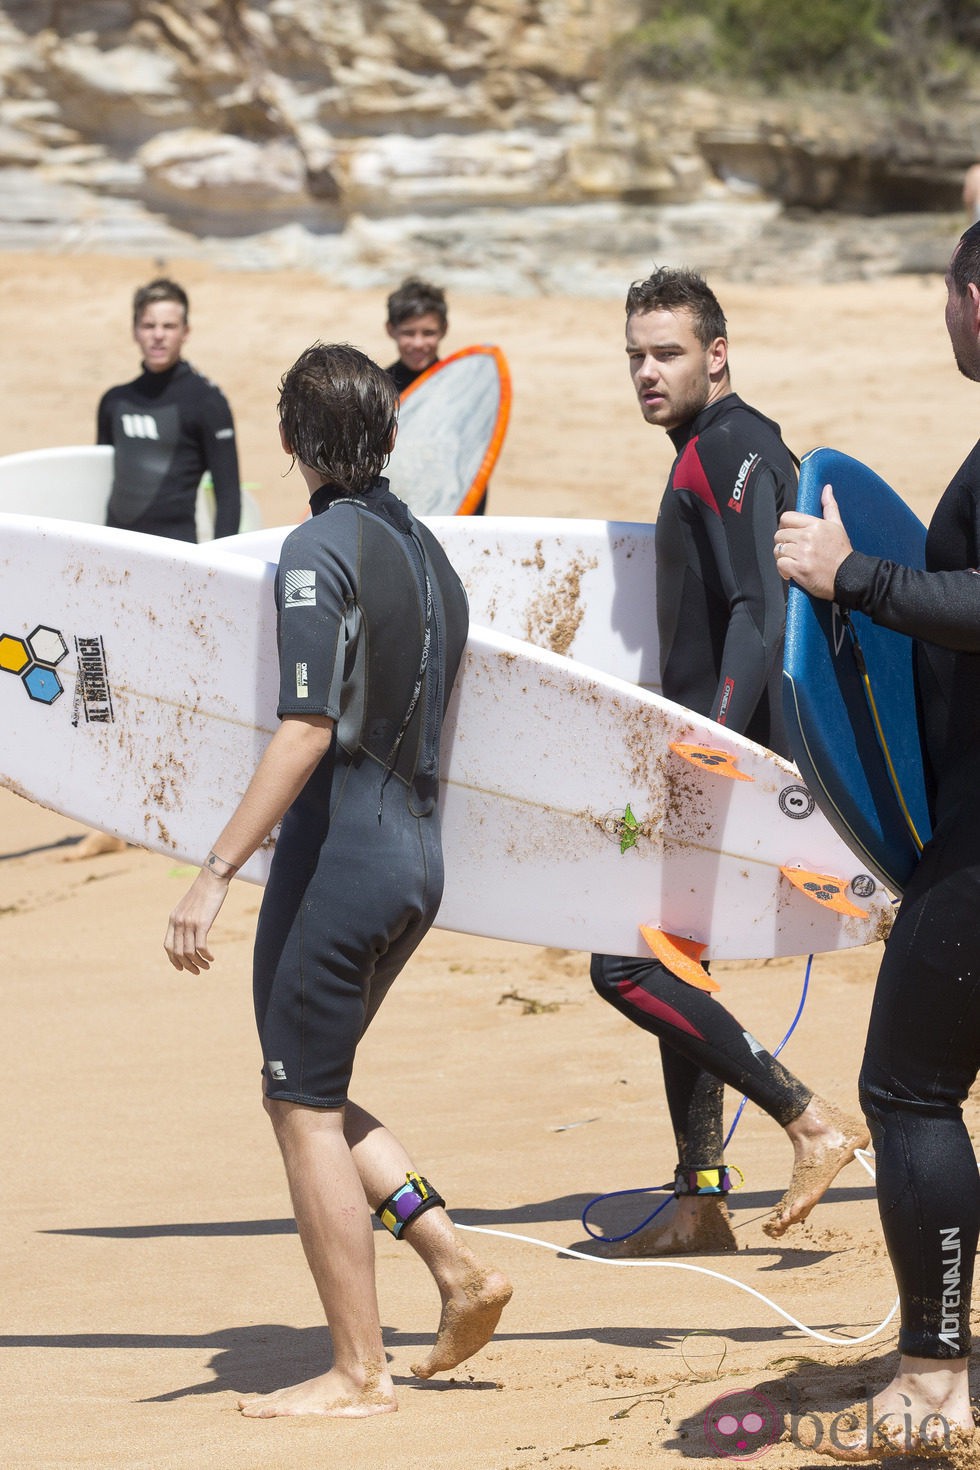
(92, 692)
(35, 659)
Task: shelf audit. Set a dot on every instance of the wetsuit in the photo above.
(721, 616)
(372, 624)
(403, 377)
(167, 429)
(923, 1048)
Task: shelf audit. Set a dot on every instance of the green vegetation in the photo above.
(895, 47)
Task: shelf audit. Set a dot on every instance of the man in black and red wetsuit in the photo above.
(168, 426)
(721, 614)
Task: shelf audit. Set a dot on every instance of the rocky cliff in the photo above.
(494, 143)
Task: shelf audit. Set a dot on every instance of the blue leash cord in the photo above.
(661, 1188)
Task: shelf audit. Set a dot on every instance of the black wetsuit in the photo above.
(403, 377)
(721, 615)
(923, 1048)
(372, 624)
(167, 429)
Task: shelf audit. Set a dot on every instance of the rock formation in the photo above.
(495, 143)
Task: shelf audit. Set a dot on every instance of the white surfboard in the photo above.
(451, 426)
(73, 483)
(586, 589)
(138, 684)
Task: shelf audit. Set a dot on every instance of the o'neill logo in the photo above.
(741, 479)
(93, 696)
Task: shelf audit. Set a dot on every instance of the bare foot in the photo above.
(919, 1414)
(470, 1313)
(332, 1395)
(690, 1225)
(94, 845)
(824, 1141)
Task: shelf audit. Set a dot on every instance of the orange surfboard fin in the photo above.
(722, 762)
(681, 956)
(824, 889)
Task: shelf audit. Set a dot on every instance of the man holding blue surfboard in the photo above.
(922, 1053)
(721, 616)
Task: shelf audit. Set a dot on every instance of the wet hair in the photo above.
(160, 290)
(964, 267)
(680, 290)
(416, 297)
(338, 409)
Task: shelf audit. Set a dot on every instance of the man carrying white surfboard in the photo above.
(721, 616)
(922, 1054)
(372, 622)
(167, 428)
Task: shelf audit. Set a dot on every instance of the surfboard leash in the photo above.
(840, 1339)
(862, 668)
(658, 1188)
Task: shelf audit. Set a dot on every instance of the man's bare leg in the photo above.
(335, 1228)
(925, 1408)
(824, 1140)
(473, 1295)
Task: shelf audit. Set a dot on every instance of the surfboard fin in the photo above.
(680, 956)
(722, 762)
(824, 889)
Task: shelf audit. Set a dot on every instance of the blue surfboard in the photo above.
(856, 742)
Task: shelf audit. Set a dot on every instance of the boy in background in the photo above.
(418, 319)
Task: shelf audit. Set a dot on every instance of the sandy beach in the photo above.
(151, 1273)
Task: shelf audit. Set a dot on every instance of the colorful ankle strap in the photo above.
(412, 1199)
(702, 1181)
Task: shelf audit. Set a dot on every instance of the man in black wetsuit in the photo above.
(418, 319)
(372, 621)
(721, 615)
(168, 427)
(922, 1053)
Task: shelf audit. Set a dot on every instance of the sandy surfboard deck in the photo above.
(138, 685)
(583, 588)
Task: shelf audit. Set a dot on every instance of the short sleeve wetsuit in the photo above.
(167, 429)
(923, 1049)
(372, 625)
(721, 615)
